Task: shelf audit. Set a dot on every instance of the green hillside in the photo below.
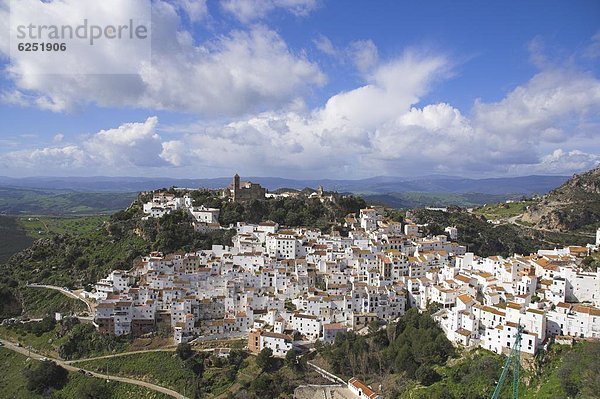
(13, 383)
(20, 201)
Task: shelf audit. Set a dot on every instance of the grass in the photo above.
(581, 361)
(503, 210)
(18, 233)
(162, 368)
(168, 370)
(20, 201)
(39, 302)
(475, 373)
(13, 383)
(75, 260)
(421, 199)
(40, 226)
(46, 344)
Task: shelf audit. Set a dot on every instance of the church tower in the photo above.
(236, 186)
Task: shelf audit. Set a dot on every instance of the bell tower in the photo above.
(236, 186)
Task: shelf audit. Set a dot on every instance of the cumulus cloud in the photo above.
(382, 127)
(547, 100)
(131, 145)
(229, 74)
(49, 158)
(560, 161)
(250, 10)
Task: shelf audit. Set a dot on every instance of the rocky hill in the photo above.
(573, 206)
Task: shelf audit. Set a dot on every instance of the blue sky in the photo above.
(309, 88)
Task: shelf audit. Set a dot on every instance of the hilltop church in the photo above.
(242, 191)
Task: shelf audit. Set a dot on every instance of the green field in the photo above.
(13, 383)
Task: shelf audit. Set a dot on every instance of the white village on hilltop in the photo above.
(284, 288)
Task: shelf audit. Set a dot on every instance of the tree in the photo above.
(236, 357)
(264, 360)
(93, 389)
(184, 351)
(290, 358)
(45, 376)
(426, 375)
(373, 327)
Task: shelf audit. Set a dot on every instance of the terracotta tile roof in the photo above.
(368, 392)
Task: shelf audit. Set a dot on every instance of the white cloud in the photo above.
(230, 74)
(250, 10)
(131, 145)
(550, 98)
(325, 45)
(546, 125)
(58, 138)
(237, 73)
(364, 54)
(378, 129)
(561, 162)
(4, 28)
(196, 10)
(45, 159)
(593, 49)
(14, 97)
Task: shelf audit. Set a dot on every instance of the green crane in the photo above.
(515, 359)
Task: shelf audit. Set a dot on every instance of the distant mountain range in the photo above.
(524, 185)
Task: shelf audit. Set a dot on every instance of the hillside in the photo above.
(28, 201)
(419, 199)
(75, 254)
(413, 359)
(487, 239)
(14, 237)
(573, 206)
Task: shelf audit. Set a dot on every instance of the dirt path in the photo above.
(24, 351)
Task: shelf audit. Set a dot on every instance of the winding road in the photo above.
(34, 355)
